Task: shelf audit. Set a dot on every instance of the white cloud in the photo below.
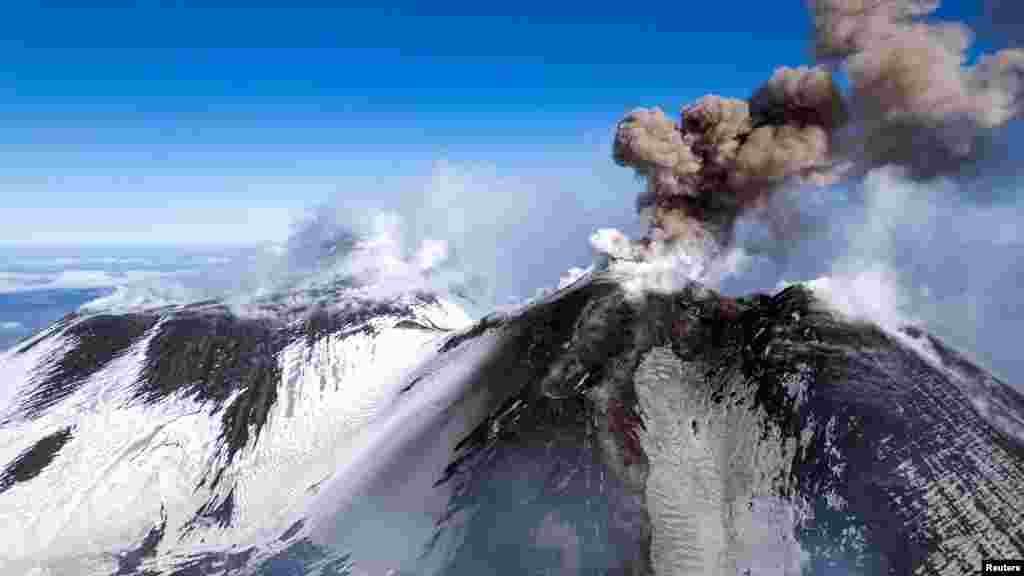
(871, 294)
(654, 265)
(44, 263)
(922, 252)
(13, 282)
(572, 275)
(613, 243)
(55, 262)
(10, 326)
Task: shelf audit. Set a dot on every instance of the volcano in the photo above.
(593, 431)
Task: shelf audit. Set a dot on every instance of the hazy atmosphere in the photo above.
(204, 132)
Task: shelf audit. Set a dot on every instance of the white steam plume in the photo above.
(901, 190)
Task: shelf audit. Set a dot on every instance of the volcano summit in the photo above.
(590, 432)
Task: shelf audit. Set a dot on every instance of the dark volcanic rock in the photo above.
(95, 341)
(32, 341)
(592, 432)
(208, 353)
(31, 462)
(692, 433)
(208, 357)
(218, 511)
(533, 479)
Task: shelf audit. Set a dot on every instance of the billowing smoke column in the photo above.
(916, 104)
(912, 103)
(727, 155)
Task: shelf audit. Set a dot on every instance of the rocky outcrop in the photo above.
(696, 434)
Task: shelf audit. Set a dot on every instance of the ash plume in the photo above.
(727, 155)
(913, 103)
(916, 103)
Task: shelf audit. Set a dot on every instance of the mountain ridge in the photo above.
(593, 430)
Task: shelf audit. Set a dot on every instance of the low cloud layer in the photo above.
(73, 279)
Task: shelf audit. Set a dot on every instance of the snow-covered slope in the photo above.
(205, 427)
(597, 429)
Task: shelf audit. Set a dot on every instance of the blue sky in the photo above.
(168, 123)
(162, 122)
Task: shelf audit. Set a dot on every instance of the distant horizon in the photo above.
(487, 128)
